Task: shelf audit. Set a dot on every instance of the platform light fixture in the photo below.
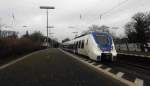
(47, 8)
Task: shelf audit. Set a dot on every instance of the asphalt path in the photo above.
(53, 68)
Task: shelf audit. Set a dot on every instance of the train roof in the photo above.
(95, 32)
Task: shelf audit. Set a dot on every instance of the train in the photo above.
(95, 45)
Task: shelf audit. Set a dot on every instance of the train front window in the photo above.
(102, 39)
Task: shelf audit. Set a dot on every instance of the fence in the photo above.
(130, 47)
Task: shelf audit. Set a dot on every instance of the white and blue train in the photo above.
(95, 45)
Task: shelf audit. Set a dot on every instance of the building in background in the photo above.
(8, 33)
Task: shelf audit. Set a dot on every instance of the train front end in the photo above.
(105, 46)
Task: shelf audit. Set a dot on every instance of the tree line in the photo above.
(138, 30)
(11, 44)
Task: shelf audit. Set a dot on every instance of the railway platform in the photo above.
(51, 67)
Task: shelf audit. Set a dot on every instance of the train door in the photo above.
(86, 46)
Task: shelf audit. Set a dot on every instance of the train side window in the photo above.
(87, 42)
(79, 44)
(82, 45)
(70, 46)
(74, 45)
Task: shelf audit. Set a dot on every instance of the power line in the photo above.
(116, 6)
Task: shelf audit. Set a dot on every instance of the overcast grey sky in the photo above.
(67, 13)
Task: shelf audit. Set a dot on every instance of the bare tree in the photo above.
(138, 28)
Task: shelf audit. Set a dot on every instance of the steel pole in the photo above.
(47, 29)
(47, 7)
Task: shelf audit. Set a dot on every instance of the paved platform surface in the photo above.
(52, 68)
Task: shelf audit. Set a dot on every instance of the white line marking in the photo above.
(139, 82)
(129, 83)
(119, 74)
(107, 69)
(19, 59)
(99, 66)
(92, 63)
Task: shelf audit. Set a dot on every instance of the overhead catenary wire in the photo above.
(111, 9)
(116, 6)
(106, 12)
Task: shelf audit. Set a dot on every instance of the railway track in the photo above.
(132, 68)
(140, 67)
(123, 63)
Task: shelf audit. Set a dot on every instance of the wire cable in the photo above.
(116, 6)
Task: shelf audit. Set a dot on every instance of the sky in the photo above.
(114, 13)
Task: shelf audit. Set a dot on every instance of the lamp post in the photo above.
(47, 8)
